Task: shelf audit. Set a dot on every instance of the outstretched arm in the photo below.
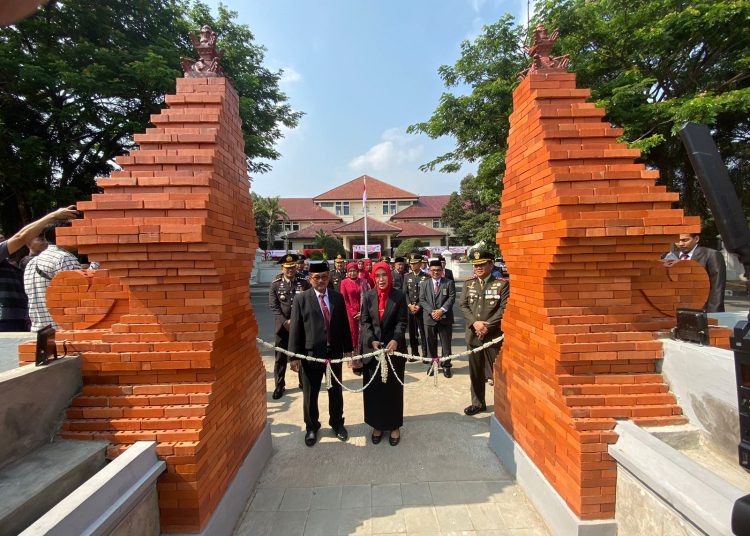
(24, 236)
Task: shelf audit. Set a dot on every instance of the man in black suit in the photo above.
(399, 272)
(320, 328)
(688, 248)
(447, 272)
(436, 297)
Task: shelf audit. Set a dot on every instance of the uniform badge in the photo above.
(477, 255)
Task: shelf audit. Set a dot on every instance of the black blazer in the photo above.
(307, 333)
(445, 298)
(713, 262)
(391, 328)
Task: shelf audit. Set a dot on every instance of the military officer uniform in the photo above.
(338, 274)
(411, 287)
(484, 300)
(398, 277)
(280, 297)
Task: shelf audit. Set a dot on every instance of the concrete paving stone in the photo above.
(388, 520)
(486, 516)
(326, 498)
(322, 523)
(446, 493)
(499, 491)
(386, 495)
(296, 499)
(267, 499)
(519, 515)
(255, 523)
(420, 519)
(416, 493)
(356, 496)
(453, 518)
(355, 521)
(289, 523)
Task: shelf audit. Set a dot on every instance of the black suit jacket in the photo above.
(308, 327)
(392, 327)
(445, 298)
(448, 274)
(714, 264)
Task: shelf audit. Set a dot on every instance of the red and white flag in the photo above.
(364, 192)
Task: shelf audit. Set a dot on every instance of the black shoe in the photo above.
(300, 386)
(311, 437)
(376, 438)
(357, 371)
(447, 372)
(473, 410)
(277, 393)
(394, 440)
(341, 432)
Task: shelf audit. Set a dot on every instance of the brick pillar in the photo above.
(581, 229)
(165, 328)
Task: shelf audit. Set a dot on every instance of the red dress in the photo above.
(352, 292)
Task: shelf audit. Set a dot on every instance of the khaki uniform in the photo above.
(486, 301)
(411, 286)
(280, 297)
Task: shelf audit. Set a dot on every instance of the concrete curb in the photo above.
(559, 518)
(102, 502)
(691, 491)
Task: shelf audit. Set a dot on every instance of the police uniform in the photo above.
(337, 276)
(411, 286)
(485, 300)
(398, 277)
(280, 297)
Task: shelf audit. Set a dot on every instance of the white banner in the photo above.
(275, 253)
(460, 250)
(371, 248)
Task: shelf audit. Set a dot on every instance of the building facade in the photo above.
(392, 214)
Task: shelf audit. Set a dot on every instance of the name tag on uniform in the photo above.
(445, 292)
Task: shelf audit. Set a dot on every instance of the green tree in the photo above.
(269, 214)
(471, 217)
(408, 246)
(330, 245)
(653, 64)
(80, 78)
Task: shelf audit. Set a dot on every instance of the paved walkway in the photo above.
(441, 479)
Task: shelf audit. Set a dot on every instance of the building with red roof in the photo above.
(393, 215)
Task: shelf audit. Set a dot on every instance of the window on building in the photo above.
(404, 204)
(326, 204)
(291, 226)
(342, 208)
(436, 224)
(389, 207)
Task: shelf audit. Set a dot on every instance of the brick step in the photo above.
(133, 424)
(609, 400)
(157, 388)
(614, 389)
(660, 421)
(622, 412)
(116, 412)
(630, 378)
(140, 400)
(127, 437)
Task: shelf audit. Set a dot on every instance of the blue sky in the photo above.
(362, 72)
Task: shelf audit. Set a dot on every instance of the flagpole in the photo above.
(364, 210)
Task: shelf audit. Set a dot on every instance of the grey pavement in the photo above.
(441, 479)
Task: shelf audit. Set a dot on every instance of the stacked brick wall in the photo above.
(165, 328)
(581, 229)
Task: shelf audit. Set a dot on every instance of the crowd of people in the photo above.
(359, 307)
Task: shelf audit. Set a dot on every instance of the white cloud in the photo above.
(394, 151)
(476, 5)
(290, 76)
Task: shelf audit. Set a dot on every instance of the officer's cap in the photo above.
(385, 259)
(319, 266)
(399, 259)
(339, 258)
(289, 260)
(480, 257)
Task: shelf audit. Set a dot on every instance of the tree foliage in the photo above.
(80, 78)
(330, 245)
(471, 217)
(409, 246)
(269, 215)
(652, 64)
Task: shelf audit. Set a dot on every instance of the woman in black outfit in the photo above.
(384, 324)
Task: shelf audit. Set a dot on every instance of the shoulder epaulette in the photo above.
(470, 278)
(278, 277)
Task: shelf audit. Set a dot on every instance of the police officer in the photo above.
(283, 289)
(482, 303)
(302, 264)
(412, 282)
(338, 274)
